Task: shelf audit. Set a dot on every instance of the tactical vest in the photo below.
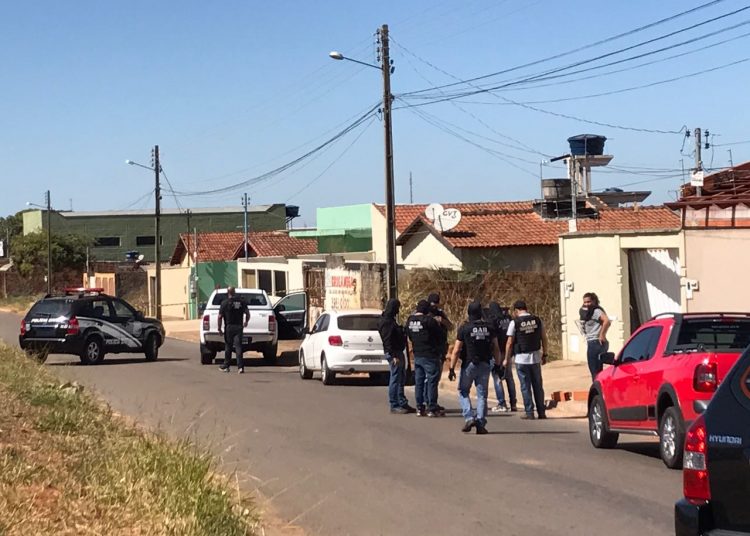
(423, 342)
(528, 334)
(478, 341)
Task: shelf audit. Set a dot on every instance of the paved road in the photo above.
(332, 459)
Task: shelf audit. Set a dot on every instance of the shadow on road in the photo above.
(535, 432)
(644, 449)
(116, 361)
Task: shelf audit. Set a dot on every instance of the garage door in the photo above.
(654, 282)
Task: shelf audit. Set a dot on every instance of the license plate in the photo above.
(371, 360)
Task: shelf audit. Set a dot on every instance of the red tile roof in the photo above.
(524, 227)
(724, 188)
(406, 214)
(230, 246)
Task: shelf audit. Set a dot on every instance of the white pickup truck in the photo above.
(267, 325)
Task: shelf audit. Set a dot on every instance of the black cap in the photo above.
(434, 298)
(520, 305)
(423, 307)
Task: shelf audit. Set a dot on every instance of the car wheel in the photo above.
(151, 349)
(93, 351)
(304, 372)
(207, 355)
(671, 438)
(599, 432)
(269, 353)
(327, 376)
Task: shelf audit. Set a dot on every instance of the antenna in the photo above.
(411, 189)
(443, 219)
(433, 210)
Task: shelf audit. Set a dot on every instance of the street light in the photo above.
(48, 208)
(157, 225)
(386, 68)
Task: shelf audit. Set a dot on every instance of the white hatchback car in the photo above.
(344, 342)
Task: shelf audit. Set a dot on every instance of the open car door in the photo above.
(291, 316)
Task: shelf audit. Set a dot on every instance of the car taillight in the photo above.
(206, 322)
(272, 323)
(74, 328)
(23, 327)
(705, 378)
(335, 340)
(695, 469)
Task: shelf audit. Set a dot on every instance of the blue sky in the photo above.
(230, 90)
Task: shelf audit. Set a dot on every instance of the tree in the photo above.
(11, 226)
(29, 253)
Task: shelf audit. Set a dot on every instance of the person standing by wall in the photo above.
(424, 335)
(480, 340)
(233, 312)
(594, 324)
(526, 336)
(394, 344)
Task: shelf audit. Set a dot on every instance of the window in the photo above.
(293, 302)
(279, 283)
(108, 241)
(265, 281)
(145, 240)
(253, 299)
(122, 311)
(643, 346)
(322, 324)
(728, 334)
(359, 322)
(50, 308)
(96, 309)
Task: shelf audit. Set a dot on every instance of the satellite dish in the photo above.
(447, 220)
(433, 210)
(140, 258)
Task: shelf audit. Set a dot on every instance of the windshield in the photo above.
(358, 322)
(252, 299)
(51, 308)
(727, 334)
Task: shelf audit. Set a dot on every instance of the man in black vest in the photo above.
(394, 343)
(480, 341)
(425, 337)
(500, 318)
(234, 313)
(526, 337)
(445, 326)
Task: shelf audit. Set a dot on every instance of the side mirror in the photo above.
(139, 315)
(608, 358)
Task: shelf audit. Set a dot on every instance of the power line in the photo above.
(579, 49)
(731, 143)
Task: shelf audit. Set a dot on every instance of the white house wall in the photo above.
(424, 250)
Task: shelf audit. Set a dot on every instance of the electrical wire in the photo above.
(732, 143)
(171, 190)
(139, 200)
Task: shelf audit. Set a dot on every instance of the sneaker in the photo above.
(440, 408)
(421, 411)
(528, 417)
(241, 370)
(224, 368)
(542, 416)
(514, 409)
(435, 413)
(481, 430)
(500, 408)
(409, 409)
(468, 425)
(399, 411)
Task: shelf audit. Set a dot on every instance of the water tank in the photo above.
(556, 189)
(292, 211)
(587, 144)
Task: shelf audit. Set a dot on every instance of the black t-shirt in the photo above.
(233, 311)
(477, 336)
(425, 335)
(436, 311)
(393, 336)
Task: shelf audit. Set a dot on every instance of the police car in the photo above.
(88, 323)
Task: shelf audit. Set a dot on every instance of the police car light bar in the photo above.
(83, 290)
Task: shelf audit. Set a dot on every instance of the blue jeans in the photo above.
(426, 371)
(396, 395)
(477, 374)
(532, 388)
(500, 392)
(593, 349)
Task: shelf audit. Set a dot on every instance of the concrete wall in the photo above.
(600, 264)
(718, 259)
(425, 250)
(512, 259)
(174, 292)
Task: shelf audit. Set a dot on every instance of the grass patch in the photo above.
(19, 304)
(68, 466)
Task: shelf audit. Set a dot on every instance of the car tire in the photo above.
(151, 349)
(207, 355)
(380, 378)
(672, 438)
(601, 437)
(269, 353)
(93, 350)
(304, 372)
(327, 376)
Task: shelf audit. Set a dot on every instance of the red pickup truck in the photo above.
(664, 377)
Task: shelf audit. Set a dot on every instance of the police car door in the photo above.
(130, 329)
(98, 315)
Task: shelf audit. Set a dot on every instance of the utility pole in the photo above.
(731, 163)
(48, 200)
(188, 212)
(698, 158)
(411, 190)
(157, 230)
(244, 204)
(390, 208)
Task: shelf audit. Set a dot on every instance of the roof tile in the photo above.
(225, 246)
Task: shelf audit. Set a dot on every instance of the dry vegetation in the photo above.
(68, 466)
(541, 292)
